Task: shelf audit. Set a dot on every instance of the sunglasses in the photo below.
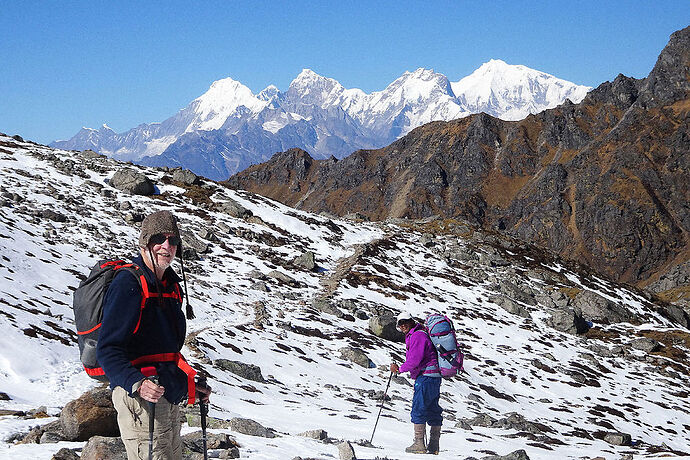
(159, 238)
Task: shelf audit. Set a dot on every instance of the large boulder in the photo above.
(594, 307)
(568, 320)
(510, 305)
(234, 209)
(185, 176)
(92, 414)
(100, 448)
(244, 370)
(384, 326)
(132, 182)
(356, 356)
(251, 428)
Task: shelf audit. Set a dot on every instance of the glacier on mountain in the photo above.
(229, 128)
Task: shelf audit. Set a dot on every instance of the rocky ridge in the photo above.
(603, 182)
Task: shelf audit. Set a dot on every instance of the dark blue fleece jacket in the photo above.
(162, 329)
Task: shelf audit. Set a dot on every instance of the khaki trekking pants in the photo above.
(133, 420)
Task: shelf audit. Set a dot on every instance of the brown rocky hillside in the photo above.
(603, 182)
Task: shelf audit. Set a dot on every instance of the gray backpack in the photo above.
(88, 310)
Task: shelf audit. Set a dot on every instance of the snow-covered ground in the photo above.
(59, 216)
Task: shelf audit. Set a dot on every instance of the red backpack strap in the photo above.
(179, 360)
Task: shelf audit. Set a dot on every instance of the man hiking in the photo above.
(143, 328)
(421, 361)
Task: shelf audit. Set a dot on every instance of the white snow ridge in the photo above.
(332, 120)
(528, 386)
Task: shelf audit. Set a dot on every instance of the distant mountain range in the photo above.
(229, 128)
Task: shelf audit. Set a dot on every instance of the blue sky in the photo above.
(68, 64)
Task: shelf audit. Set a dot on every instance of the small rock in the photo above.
(346, 451)
(515, 455)
(193, 441)
(33, 437)
(52, 433)
(282, 277)
(260, 286)
(646, 344)
(102, 447)
(305, 261)
(88, 153)
(315, 434)
(484, 420)
(52, 215)
(65, 454)
(618, 439)
(194, 420)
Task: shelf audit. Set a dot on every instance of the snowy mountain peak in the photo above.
(309, 76)
(268, 93)
(222, 99)
(421, 84)
(312, 88)
(511, 92)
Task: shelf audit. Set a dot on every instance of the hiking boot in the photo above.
(434, 436)
(418, 446)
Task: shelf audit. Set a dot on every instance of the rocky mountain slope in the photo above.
(229, 128)
(294, 316)
(603, 182)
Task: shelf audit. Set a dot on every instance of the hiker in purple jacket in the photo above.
(421, 361)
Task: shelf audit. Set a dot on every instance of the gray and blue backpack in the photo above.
(442, 334)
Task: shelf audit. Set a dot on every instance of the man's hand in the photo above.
(395, 368)
(150, 392)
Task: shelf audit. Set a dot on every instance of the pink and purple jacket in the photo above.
(421, 357)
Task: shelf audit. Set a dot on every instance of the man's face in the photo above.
(163, 252)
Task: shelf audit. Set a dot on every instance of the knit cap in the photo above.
(155, 223)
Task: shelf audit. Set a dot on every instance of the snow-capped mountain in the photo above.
(511, 92)
(229, 128)
(534, 381)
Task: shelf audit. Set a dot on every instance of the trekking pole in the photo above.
(383, 400)
(150, 373)
(203, 409)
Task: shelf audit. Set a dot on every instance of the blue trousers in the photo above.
(425, 408)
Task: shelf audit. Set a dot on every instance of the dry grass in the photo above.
(570, 292)
(675, 294)
(500, 190)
